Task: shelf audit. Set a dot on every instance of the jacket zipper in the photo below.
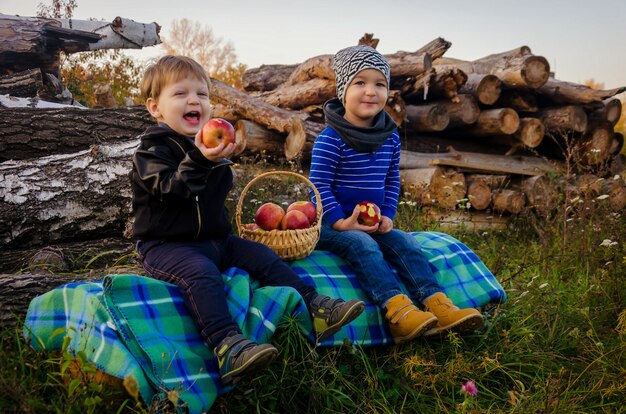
(199, 217)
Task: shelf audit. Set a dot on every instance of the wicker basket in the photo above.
(288, 244)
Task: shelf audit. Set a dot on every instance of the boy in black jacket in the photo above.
(182, 226)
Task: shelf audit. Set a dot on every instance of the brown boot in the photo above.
(451, 317)
(406, 321)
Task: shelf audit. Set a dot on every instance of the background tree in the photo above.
(199, 42)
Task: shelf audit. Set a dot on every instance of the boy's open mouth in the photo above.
(192, 116)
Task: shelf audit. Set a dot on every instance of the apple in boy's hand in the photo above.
(306, 207)
(269, 216)
(294, 220)
(216, 131)
(370, 213)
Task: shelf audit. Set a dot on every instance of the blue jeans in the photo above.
(196, 267)
(371, 256)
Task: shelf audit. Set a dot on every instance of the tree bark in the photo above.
(260, 140)
(517, 68)
(255, 109)
(463, 112)
(494, 122)
(508, 201)
(266, 77)
(299, 95)
(32, 133)
(434, 185)
(540, 192)
(529, 135)
(69, 197)
(564, 118)
(23, 84)
(486, 88)
(318, 67)
(429, 117)
(562, 92)
(518, 99)
(475, 162)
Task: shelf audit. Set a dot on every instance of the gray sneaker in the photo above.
(330, 315)
(238, 357)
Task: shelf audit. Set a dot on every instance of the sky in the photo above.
(581, 39)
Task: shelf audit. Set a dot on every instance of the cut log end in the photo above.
(535, 71)
(294, 143)
(510, 121)
(479, 195)
(531, 132)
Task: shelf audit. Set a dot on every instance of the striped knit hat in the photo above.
(350, 61)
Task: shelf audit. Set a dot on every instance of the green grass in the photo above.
(558, 345)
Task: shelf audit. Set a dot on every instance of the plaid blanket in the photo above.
(131, 325)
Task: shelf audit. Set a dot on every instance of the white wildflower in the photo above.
(543, 285)
(608, 243)
(602, 197)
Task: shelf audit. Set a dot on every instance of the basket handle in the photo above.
(238, 210)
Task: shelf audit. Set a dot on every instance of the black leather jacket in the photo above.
(178, 194)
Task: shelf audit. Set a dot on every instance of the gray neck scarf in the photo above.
(362, 139)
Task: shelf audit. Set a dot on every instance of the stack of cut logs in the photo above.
(482, 135)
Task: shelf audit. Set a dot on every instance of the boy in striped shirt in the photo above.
(356, 158)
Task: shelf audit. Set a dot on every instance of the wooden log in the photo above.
(260, 140)
(429, 117)
(517, 68)
(494, 122)
(479, 162)
(434, 185)
(463, 112)
(617, 194)
(609, 110)
(318, 67)
(222, 111)
(255, 109)
(396, 107)
(67, 197)
(104, 96)
(298, 95)
(436, 48)
(518, 99)
(562, 92)
(24, 84)
(594, 147)
(564, 118)
(540, 191)
(617, 143)
(17, 291)
(485, 88)
(266, 77)
(479, 194)
(32, 133)
(494, 181)
(468, 220)
(508, 201)
(529, 135)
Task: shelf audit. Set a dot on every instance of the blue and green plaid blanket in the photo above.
(130, 325)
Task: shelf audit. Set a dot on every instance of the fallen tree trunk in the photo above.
(562, 92)
(69, 197)
(508, 201)
(540, 191)
(463, 112)
(255, 109)
(478, 194)
(300, 95)
(494, 122)
(23, 84)
(266, 77)
(429, 117)
(32, 133)
(518, 99)
(260, 140)
(564, 118)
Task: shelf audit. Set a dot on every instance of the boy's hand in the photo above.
(385, 225)
(352, 223)
(214, 154)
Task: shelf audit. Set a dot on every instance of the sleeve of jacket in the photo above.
(158, 172)
(324, 159)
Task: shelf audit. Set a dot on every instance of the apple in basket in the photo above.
(306, 207)
(269, 216)
(217, 130)
(370, 213)
(294, 220)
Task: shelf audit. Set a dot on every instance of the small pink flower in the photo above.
(469, 388)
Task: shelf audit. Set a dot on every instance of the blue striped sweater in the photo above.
(345, 177)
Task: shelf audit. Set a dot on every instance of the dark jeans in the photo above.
(196, 267)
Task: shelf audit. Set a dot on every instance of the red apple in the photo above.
(370, 213)
(294, 220)
(269, 216)
(217, 130)
(306, 207)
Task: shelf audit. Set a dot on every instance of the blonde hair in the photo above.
(170, 69)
